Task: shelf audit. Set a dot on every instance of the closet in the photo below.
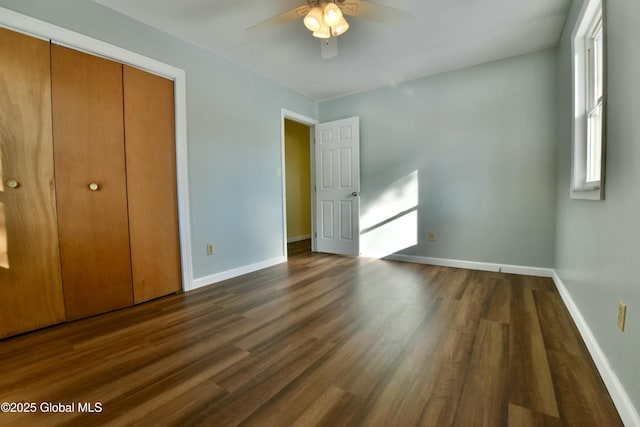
(88, 200)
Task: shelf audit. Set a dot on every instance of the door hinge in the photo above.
(315, 234)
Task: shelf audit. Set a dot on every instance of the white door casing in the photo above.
(337, 196)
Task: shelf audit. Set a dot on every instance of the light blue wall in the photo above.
(233, 120)
(483, 142)
(598, 242)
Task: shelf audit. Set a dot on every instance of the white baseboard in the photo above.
(619, 395)
(230, 274)
(473, 265)
(298, 238)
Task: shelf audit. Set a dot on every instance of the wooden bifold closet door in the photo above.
(114, 138)
(151, 183)
(88, 133)
(30, 282)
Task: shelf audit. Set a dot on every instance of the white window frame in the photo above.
(585, 183)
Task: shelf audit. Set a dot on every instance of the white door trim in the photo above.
(296, 117)
(44, 30)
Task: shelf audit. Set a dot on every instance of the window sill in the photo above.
(586, 193)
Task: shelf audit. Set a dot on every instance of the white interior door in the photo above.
(337, 197)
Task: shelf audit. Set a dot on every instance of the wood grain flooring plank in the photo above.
(176, 411)
(523, 417)
(386, 346)
(560, 333)
(244, 400)
(401, 400)
(484, 398)
(333, 408)
(530, 383)
(499, 306)
(452, 283)
(291, 320)
(453, 360)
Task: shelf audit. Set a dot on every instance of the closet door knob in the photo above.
(12, 183)
(93, 186)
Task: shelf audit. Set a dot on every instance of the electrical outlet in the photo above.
(622, 315)
(432, 236)
(209, 248)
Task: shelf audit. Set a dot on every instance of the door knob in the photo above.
(93, 186)
(355, 194)
(12, 183)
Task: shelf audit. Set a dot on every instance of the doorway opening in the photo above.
(298, 183)
(297, 154)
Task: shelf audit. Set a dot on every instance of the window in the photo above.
(588, 48)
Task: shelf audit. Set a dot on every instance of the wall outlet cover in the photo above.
(622, 315)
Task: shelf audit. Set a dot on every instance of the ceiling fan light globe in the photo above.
(323, 33)
(332, 14)
(313, 19)
(340, 28)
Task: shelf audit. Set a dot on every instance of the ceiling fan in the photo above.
(326, 19)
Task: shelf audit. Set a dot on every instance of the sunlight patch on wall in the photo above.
(391, 237)
(390, 220)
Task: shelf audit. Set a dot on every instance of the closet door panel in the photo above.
(151, 183)
(30, 282)
(90, 182)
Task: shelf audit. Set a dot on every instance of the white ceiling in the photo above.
(444, 35)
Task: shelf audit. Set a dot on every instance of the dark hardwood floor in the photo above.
(322, 340)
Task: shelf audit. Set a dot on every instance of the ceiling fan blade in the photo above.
(328, 48)
(376, 12)
(283, 18)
